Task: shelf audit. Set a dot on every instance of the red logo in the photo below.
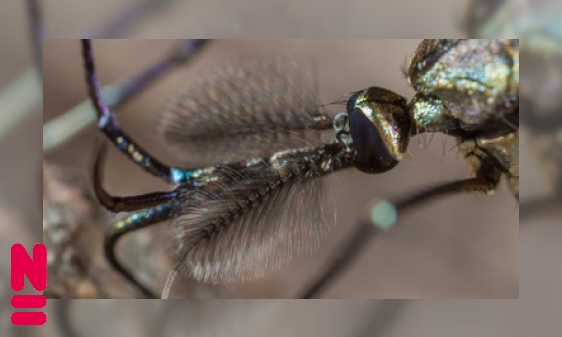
(35, 268)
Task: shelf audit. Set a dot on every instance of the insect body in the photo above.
(475, 85)
(236, 219)
(465, 88)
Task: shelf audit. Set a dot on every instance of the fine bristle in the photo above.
(251, 219)
(255, 106)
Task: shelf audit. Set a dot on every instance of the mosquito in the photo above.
(240, 218)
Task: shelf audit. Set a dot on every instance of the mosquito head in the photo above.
(379, 125)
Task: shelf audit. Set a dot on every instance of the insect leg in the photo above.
(129, 203)
(109, 125)
(483, 184)
(368, 228)
(351, 250)
(65, 126)
(131, 86)
(134, 222)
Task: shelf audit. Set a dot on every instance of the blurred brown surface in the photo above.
(20, 170)
(264, 19)
(537, 311)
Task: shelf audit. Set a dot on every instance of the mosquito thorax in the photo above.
(379, 125)
(474, 80)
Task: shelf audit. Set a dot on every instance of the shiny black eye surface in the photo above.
(351, 101)
(372, 155)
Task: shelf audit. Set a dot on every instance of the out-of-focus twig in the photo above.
(36, 31)
(384, 317)
(128, 17)
(343, 260)
(62, 313)
(18, 99)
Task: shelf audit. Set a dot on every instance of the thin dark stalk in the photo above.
(126, 19)
(385, 316)
(36, 32)
(108, 121)
(65, 126)
(62, 316)
(367, 230)
(135, 84)
(540, 207)
(350, 251)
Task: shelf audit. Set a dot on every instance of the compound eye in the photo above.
(351, 101)
(372, 154)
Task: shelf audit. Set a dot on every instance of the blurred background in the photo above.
(536, 22)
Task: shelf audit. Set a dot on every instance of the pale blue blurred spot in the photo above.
(383, 215)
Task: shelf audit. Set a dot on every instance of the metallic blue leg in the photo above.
(133, 222)
(108, 122)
